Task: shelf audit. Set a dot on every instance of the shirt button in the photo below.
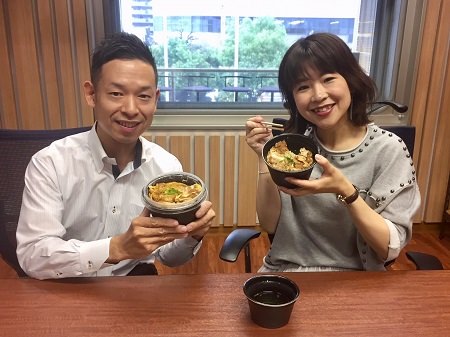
(114, 209)
(90, 264)
(364, 251)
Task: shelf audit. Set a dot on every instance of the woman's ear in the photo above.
(89, 93)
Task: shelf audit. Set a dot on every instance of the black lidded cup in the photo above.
(183, 212)
(294, 142)
(271, 299)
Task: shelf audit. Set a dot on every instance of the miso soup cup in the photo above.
(271, 299)
(294, 143)
(183, 212)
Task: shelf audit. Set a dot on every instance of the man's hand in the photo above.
(146, 234)
(205, 216)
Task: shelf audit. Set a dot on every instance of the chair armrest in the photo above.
(235, 242)
(424, 261)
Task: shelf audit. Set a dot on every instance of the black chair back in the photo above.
(16, 149)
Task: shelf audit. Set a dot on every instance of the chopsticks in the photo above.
(274, 126)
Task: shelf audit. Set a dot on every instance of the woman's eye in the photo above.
(302, 87)
(329, 79)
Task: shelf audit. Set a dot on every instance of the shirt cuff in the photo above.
(394, 241)
(191, 243)
(93, 254)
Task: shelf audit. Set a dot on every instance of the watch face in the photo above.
(340, 198)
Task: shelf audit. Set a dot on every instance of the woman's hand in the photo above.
(331, 181)
(256, 134)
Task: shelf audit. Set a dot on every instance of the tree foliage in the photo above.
(262, 43)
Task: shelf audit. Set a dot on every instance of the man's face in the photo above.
(124, 102)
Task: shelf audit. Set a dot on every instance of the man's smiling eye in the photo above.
(115, 94)
(145, 97)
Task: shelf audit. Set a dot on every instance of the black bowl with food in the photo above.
(290, 155)
(176, 195)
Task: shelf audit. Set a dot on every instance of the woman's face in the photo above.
(323, 99)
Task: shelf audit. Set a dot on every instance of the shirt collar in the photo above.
(100, 157)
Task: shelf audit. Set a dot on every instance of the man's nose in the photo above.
(130, 105)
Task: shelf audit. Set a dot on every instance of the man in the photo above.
(82, 213)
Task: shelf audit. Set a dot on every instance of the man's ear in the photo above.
(89, 93)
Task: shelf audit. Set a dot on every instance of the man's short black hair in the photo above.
(120, 46)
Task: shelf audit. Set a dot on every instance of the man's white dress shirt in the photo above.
(72, 206)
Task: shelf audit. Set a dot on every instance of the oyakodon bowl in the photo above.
(294, 142)
(271, 299)
(183, 212)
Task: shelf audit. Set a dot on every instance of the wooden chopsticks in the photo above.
(274, 126)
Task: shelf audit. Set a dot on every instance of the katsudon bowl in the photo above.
(176, 195)
(290, 155)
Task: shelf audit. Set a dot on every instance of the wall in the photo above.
(430, 111)
(44, 56)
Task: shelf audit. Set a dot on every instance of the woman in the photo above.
(355, 212)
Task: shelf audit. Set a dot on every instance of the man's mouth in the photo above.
(128, 125)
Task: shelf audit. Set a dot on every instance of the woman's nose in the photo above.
(319, 94)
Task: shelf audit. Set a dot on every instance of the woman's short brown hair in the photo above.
(326, 53)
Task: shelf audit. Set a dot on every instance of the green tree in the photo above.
(182, 53)
(262, 43)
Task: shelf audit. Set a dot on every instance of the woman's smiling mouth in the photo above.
(323, 110)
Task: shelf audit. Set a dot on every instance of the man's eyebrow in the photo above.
(122, 87)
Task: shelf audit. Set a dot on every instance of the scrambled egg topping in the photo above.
(173, 192)
(281, 158)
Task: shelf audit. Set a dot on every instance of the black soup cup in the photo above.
(183, 212)
(271, 299)
(294, 143)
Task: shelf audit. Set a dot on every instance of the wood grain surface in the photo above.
(400, 303)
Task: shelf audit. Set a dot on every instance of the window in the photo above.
(206, 41)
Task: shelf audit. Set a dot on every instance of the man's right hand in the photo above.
(144, 236)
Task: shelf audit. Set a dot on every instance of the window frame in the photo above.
(398, 25)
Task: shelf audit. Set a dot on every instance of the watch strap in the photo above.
(349, 199)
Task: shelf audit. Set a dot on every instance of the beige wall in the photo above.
(44, 57)
(430, 111)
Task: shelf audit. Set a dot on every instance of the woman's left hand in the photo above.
(331, 181)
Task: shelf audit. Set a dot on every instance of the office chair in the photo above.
(239, 238)
(16, 150)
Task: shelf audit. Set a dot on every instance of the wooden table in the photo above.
(395, 303)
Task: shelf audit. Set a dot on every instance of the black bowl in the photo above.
(294, 143)
(271, 299)
(183, 212)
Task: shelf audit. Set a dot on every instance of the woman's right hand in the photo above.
(256, 134)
